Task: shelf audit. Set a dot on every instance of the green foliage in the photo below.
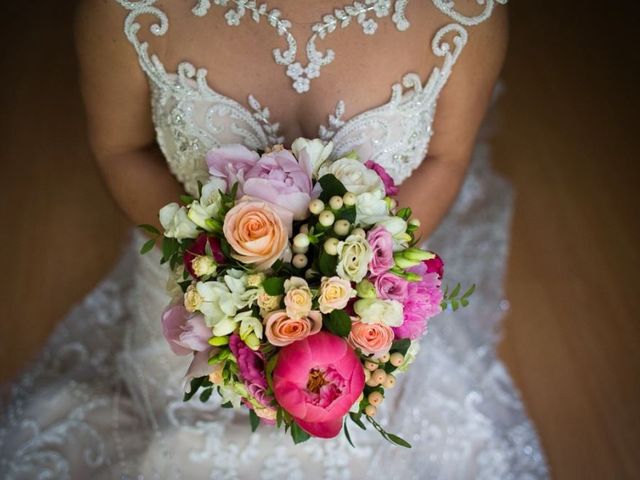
(347, 213)
(148, 245)
(327, 263)
(206, 394)
(298, 434)
(404, 213)
(268, 370)
(196, 383)
(331, 186)
(187, 199)
(346, 433)
(390, 437)
(356, 418)
(254, 420)
(149, 229)
(338, 323)
(273, 286)
(451, 299)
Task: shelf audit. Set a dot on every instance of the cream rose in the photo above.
(256, 232)
(298, 297)
(355, 176)
(371, 338)
(354, 255)
(282, 330)
(335, 293)
(192, 299)
(268, 303)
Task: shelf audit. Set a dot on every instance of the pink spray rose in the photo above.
(381, 243)
(391, 287)
(185, 332)
(230, 162)
(389, 185)
(317, 380)
(423, 302)
(251, 366)
(198, 249)
(278, 178)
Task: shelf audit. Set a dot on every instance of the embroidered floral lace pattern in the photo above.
(103, 399)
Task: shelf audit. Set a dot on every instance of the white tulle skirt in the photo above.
(103, 399)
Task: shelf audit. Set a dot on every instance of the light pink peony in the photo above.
(230, 162)
(389, 184)
(317, 380)
(381, 243)
(185, 332)
(391, 287)
(278, 178)
(423, 302)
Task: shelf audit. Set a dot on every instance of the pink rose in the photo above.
(391, 287)
(371, 338)
(230, 162)
(389, 185)
(185, 332)
(381, 243)
(278, 178)
(317, 380)
(257, 233)
(199, 249)
(282, 330)
(423, 302)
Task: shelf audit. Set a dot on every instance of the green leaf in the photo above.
(298, 434)
(327, 263)
(454, 305)
(397, 440)
(149, 228)
(254, 420)
(273, 286)
(455, 292)
(348, 214)
(401, 346)
(206, 394)
(404, 213)
(464, 302)
(338, 323)
(227, 405)
(169, 248)
(355, 417)
(469, 292)
(186, 199)
(346, 434)
(225, 247)
(148, 245)
(195, 385)
(331, 186)
(279, 416)
(268, 370)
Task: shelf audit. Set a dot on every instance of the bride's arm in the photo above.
(116, 97)
(431, 190)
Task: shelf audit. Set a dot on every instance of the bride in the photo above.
(165, 81)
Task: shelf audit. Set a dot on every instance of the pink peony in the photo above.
(381, 243)
(251, 366)
(317, 380)
(199, 248)
(423, 302)
(278, 178)
(230, 162)
(389, 185)
(391, 287)
(185, 332)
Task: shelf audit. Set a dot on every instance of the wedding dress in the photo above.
(103, 400)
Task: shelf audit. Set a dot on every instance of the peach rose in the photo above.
(335, 293)
(282, 330)
(257, 231)
(298, 297)
(372, 338)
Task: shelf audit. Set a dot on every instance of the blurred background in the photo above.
(568, 140)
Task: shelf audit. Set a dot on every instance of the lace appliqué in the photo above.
(358, 11)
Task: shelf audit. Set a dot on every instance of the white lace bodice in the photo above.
(191, 118)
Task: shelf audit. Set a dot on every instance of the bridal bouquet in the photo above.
(298, 287)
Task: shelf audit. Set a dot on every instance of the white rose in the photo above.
(176, 223)
(398, 229)
(355, 176)
(387, 312)
(371, 208)
(209, 204)
(316, 150)
(354, 255)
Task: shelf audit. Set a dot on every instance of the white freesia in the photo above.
(209, 204)
(237, 281)
(398, 229)
(354, 255)
(371, 207)
(218, 302)
(316, 150)
(230, 395)
(355, 176)
(387, 312)
(176, 223)
(251, 329)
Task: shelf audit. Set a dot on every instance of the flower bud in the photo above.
(203, 265)
(336, 202)
(331, 246)
(385, 358)
(316, 206)
(396, 359)
(326, 218)
(300, 260)
(412, 277)
(375, 398)
(370, 411)
(304, 228)
(389, 382)
(341, 227)
(379, 376)
(349, 199)
(219, 341)
(295, 249)
(366, 289)
(414, 222)
(417, 254)
(371, 366)
(359, 232)
(301, 240)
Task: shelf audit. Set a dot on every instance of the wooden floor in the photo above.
(569, 140)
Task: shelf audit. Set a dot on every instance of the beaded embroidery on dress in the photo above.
(104, 401)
